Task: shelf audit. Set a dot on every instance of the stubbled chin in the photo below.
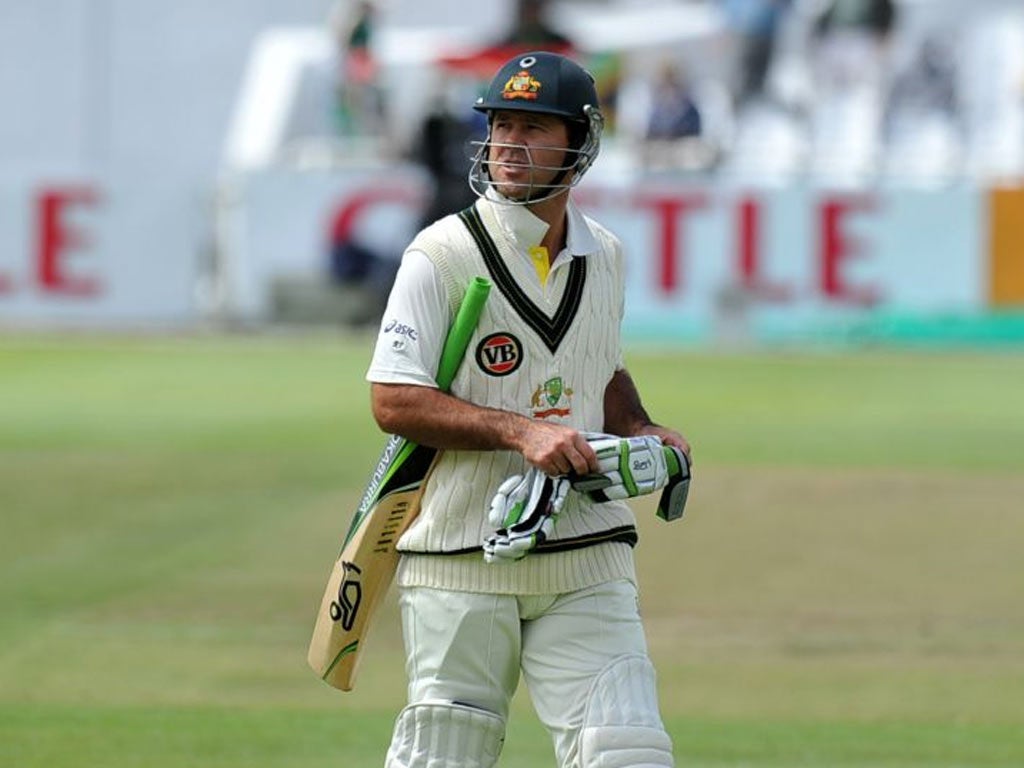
(511, 191)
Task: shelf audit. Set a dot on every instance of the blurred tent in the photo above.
(483, 63)
(282, 112)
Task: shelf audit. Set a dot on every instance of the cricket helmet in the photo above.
(541, 82)
(551, 84)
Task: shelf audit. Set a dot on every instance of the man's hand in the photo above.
(636, 466)
(556, 449)
(668, 437)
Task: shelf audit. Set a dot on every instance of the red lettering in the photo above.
(57, 239)
(345, 217)
(749, 246)
(670, 211)
(837, 247)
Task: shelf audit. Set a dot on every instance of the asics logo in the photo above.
(401, 329)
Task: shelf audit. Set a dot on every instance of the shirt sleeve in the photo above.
(414, 326)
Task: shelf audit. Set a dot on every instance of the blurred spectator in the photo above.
(926, 88)
(852, 35)
(922, 124)
(361, 278)
(607, 71)
(670, 126)
(852, 39)
(364, 272)
(673, 113)
(753, 24)
(876, 17)
(531, 30)
(443, 148)
(360, 105)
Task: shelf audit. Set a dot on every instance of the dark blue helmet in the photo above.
(550, 84)
(541, 82)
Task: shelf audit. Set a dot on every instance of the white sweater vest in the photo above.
(543, 351)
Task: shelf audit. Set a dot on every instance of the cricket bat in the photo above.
(366, 566)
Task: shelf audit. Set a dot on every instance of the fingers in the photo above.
(681, 443)
(558, 450)
(576, 456)
(586, 452)
(671, 437)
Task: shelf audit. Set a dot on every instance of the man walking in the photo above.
(543, 373)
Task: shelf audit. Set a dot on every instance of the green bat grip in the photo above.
(461, 331)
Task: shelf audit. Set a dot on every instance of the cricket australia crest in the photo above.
(552, 398)
(521, 85)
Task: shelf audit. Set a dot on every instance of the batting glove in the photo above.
(524, 511)
(636, 466)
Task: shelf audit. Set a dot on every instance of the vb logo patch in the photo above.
(499, 354)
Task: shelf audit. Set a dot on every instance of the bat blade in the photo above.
(366, 566)
(363, 572)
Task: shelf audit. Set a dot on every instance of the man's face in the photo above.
(527, 151)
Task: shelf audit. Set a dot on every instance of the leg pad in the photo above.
(622, 727)
(441, 734)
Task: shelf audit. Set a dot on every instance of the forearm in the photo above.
(624, 414)
(431, 417)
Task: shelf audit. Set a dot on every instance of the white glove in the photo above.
(524, 511)
(636, 466)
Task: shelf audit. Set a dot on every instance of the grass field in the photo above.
(847, 589)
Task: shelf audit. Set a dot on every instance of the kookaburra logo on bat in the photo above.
(350, 592)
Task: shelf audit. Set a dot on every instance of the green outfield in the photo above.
(847, 589)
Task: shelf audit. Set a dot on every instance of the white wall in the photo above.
(100, 85)
(130, 98)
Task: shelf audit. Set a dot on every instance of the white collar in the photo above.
(526, 229)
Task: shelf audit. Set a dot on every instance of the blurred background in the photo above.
(780, 170)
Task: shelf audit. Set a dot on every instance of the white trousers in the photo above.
(469, 648)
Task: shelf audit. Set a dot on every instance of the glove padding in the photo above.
(524, 511)
(637, 466)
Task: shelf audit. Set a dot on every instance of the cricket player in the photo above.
(543, 373)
